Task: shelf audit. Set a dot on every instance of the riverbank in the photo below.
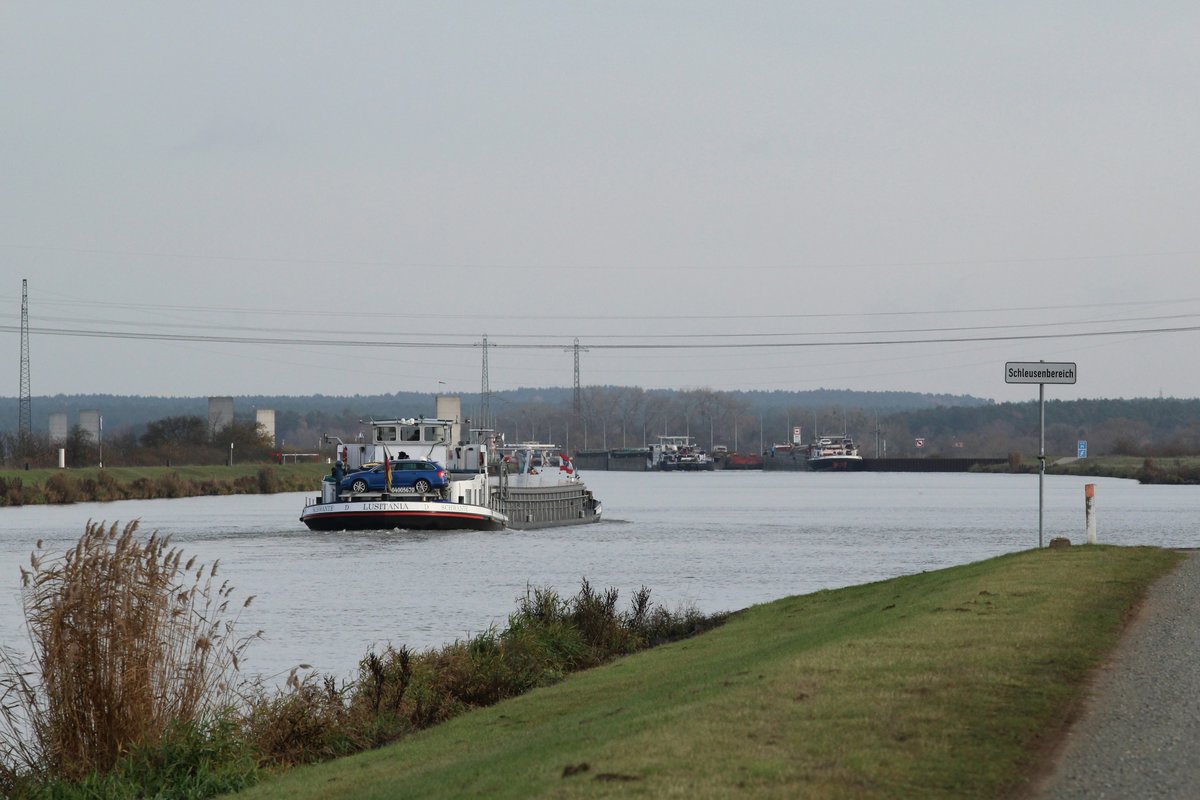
(1168, 470)
(92, 484)
(952, 683)
(95, 484)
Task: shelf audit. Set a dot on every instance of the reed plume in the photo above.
(126, 642)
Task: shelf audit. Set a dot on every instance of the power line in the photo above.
(725, 335)
(501, 315)
(327, 342)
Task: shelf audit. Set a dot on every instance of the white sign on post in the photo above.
(1039, 372)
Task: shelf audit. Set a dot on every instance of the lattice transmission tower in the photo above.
(485, 391)
(25, 417)
(578, 404)
(578, 399)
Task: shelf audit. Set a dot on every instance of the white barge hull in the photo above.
(358, 515)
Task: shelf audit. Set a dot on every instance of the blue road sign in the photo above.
(1083, 448)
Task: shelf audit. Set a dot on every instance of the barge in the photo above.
(493, 485)
(679, 454)
(834, 453)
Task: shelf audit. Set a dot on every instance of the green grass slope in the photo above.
(942, 684)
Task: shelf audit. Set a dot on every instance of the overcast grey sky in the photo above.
(634, 174)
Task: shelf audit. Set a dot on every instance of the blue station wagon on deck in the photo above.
(412, 474)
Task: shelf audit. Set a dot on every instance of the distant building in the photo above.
(220, 413)
(265, 418)
(59, 430)
(449, 406)
(90, 422)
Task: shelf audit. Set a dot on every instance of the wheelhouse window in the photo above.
(433, 433)
(385, 433)
(410, 433)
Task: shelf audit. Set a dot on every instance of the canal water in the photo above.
(718, 541)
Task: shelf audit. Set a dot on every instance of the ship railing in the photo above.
(561, 506)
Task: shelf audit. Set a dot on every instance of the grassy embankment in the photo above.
(1167, 469)
(52, 486)
(945, 684)
(1170, 470)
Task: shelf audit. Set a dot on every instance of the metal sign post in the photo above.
(1041, 373)
(1041, 459)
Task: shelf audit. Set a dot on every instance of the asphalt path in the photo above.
(1139, 734)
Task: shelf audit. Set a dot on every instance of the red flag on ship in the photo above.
(564, 463)
(387, 468)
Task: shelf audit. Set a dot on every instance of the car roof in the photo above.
(376, 464)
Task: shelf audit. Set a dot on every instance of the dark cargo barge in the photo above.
(785, 463)
(636, 460)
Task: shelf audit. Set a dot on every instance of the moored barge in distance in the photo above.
(679, 454)
(739, 460)
(492, 485)
(834, 453)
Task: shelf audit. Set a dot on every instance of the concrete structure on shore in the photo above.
(264, 419)
(90, 422)
(59, 429)
(220, 413)
(449, 406)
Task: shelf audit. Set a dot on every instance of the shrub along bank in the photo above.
(55, 486)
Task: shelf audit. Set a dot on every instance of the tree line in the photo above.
(615, 417)
(165, 442)
(893, 424)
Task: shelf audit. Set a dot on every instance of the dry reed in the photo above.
(127, 640)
